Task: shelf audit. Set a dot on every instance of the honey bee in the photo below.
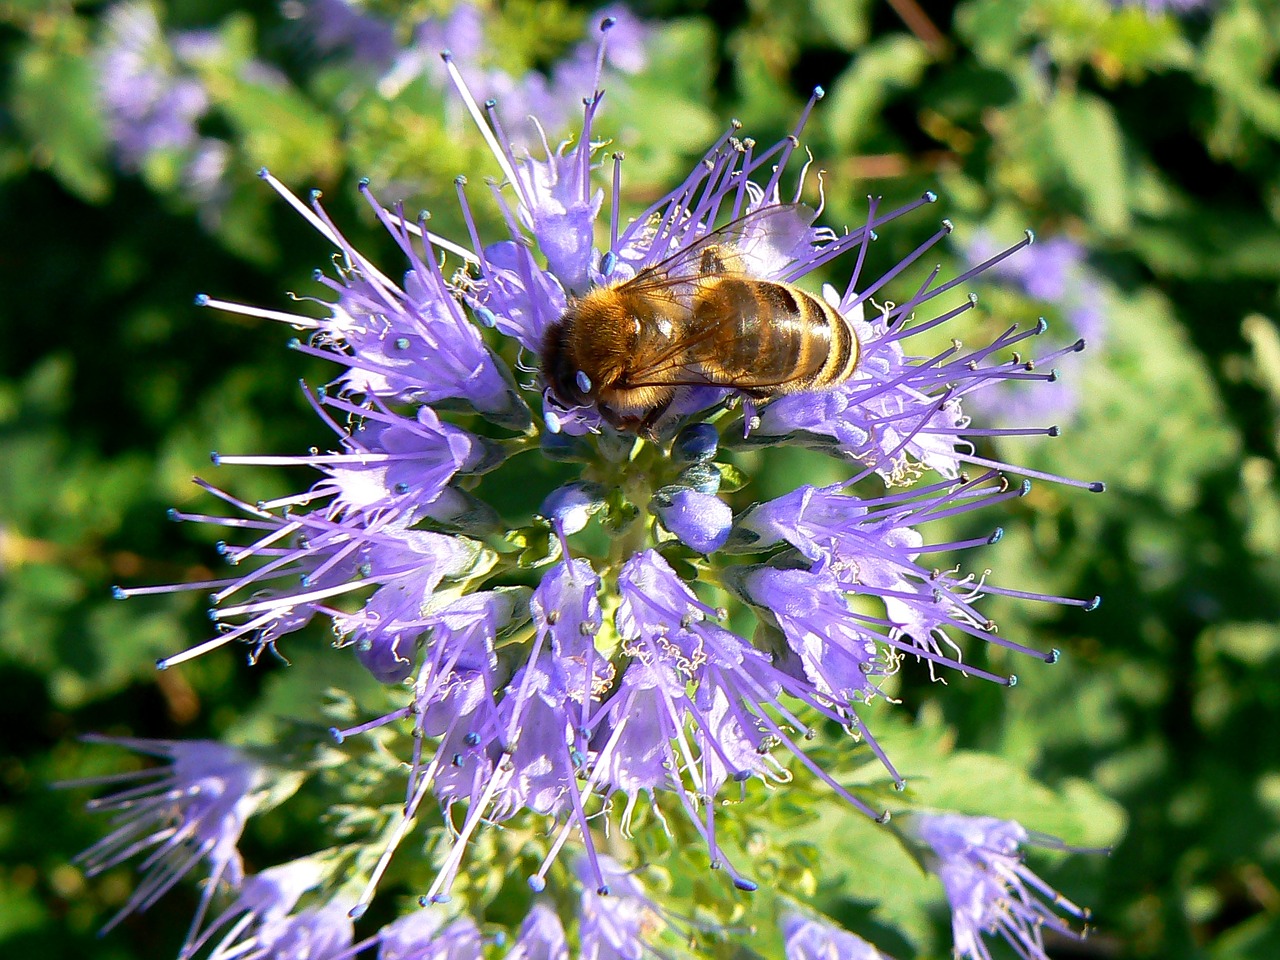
(700, 319)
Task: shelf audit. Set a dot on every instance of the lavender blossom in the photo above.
(619, 920)
(425, 935)
(149, 104)
(990, 889)
(1056, 272)
(541, 936)
(190, 812)
(807, 938)
(266, 921)
(581, 663)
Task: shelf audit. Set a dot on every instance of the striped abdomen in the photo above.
(770, 338)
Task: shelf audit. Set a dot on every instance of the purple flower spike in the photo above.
(181, 815)
(543, 673)
(990, 888)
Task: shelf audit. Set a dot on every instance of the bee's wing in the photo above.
(757, 244)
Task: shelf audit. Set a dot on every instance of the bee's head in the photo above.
(560, 371)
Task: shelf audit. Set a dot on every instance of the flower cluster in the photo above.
(588, 660)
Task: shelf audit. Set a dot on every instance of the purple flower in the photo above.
(990, 889)
(541, 936)
(190, 812)
(1054, 271)
(574, 662)
(149, 104)
(424, 935)
(619, 920)
(807, 938)
(265, 921)
(699, 520)
(342, 26)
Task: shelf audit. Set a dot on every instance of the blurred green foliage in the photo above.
(1153, 142)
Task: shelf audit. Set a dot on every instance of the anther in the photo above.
(472, 739)
(1025, 488)
(930, 197)
(446, 56)
(358, 911)
(1031, 236)
(1053, 656)
(583, 381)
(317, 274)
(948, 226)
(884, 817)
(336, 734)
(1093, 605)
(486, 317)
(742, 883)
(314, 195)
(973, 299)
(607, 263)
(215, 458)
(608, 22)
(1078, 345)
(459, 181)
(202, 300)
(1097, 487)
(1012, 680)
(402, 343)
(490, 104)
(602, 890)
(363, 185)
(819, 93)
(263, 173)
(537, 884)
(117, 592)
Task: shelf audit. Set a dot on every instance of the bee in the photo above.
(699, 318)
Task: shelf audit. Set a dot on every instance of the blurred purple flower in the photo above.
(541, 936)
(424, 935)
(179, 816)
(807, 938)
(264, 921)
(1056, 272)
(990, 889)
(149, 104)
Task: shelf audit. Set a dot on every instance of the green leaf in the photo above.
(1090, 149)
(55, 86)
(891, 64)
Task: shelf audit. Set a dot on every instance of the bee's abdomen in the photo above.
(773, 337)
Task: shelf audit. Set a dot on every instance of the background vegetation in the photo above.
(1146, 141)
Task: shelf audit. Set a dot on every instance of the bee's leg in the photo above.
(648, 426)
